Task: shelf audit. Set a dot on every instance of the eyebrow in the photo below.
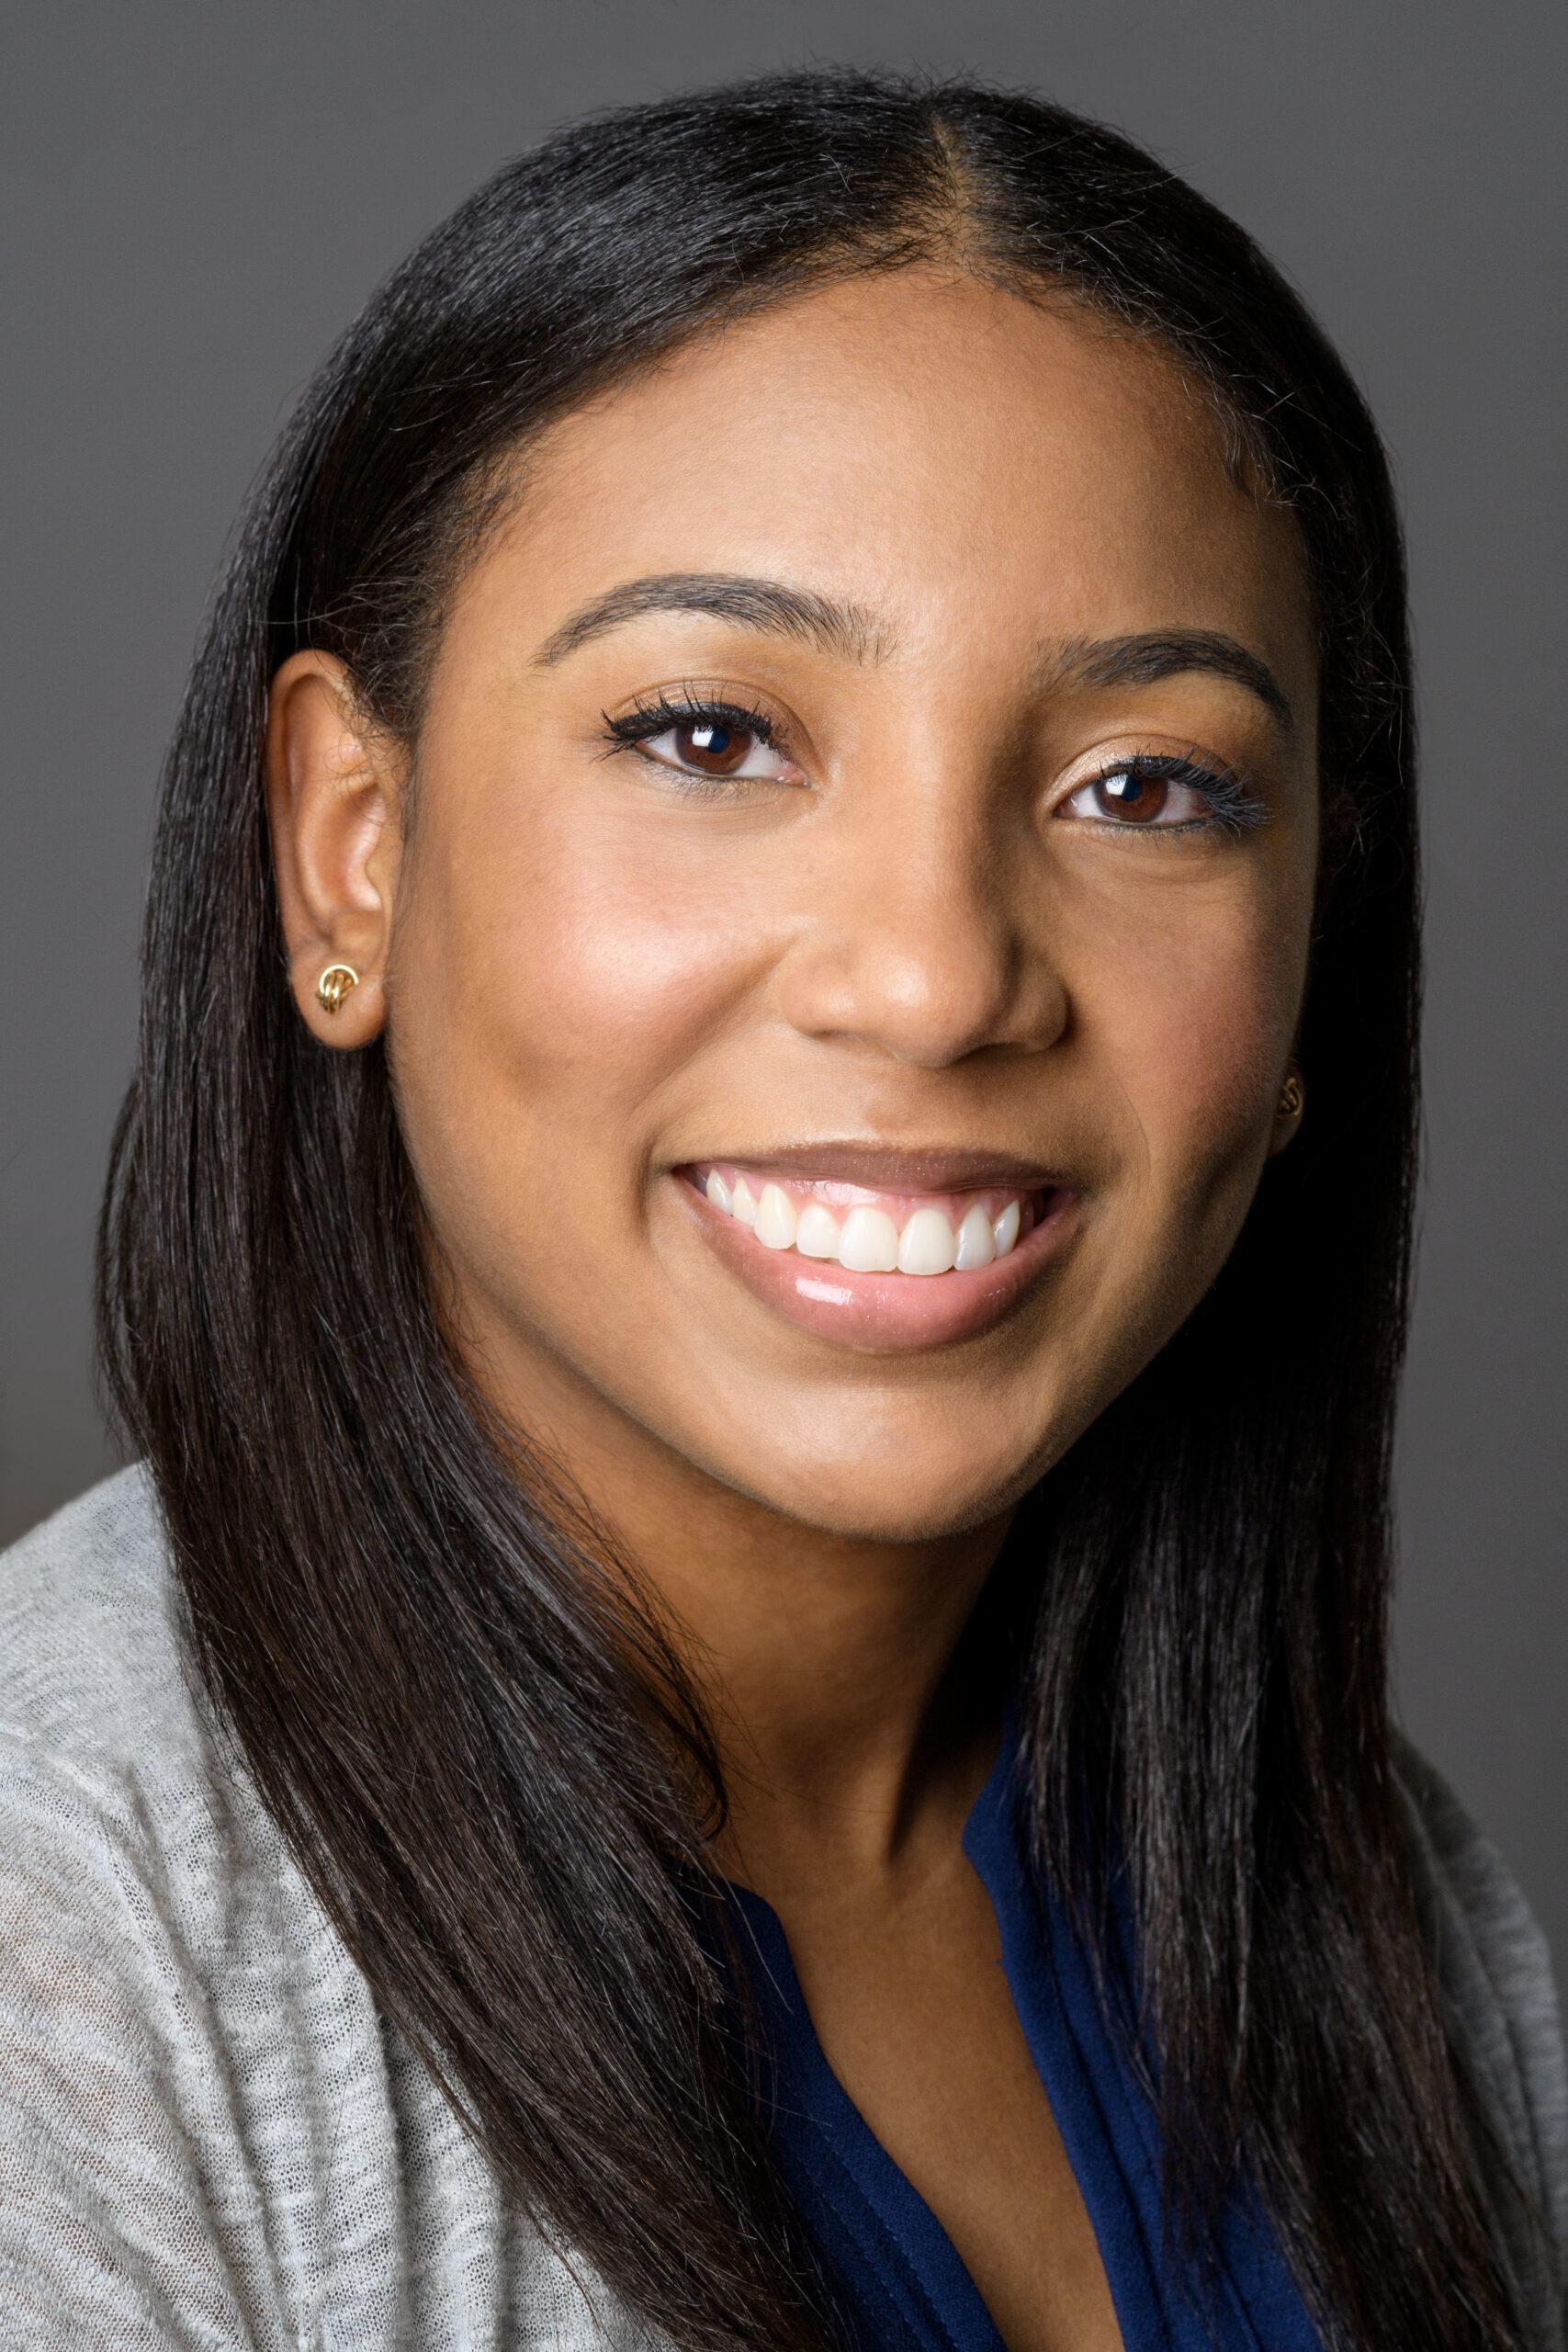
(771, 608)
(1143, 659)
(766, 607)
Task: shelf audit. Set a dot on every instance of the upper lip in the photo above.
(876, 1169)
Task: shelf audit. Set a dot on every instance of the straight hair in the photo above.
(474, 1735)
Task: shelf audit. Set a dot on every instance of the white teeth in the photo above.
(817, 1235)
(926, 1244)
(869, 1243)
(977, 1242)
(776, 1219)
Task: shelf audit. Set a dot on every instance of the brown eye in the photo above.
(1150, 799)
(716, 745)
(713, 746)
(1131, 797)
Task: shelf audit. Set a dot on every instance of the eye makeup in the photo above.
(656, 716)
(716, 740)
(1139, 794)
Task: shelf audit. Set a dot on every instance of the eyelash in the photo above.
(638, 726)
(1234, 808)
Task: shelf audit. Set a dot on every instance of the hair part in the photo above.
(480, 1750)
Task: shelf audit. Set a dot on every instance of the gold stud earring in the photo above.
(334, 985)
(1292, 1096)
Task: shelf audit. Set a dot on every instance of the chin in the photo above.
(882, 1501)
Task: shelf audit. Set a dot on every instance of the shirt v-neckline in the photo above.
(903, 2286)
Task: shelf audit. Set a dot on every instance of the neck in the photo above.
(825, 1659)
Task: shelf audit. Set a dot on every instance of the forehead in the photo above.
(948, 456)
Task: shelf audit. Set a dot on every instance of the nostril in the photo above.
(928, 1011)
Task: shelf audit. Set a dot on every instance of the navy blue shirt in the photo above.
(900, 2281)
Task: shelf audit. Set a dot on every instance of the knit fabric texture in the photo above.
(209, 2136)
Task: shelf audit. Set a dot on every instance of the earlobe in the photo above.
(334, 806)
(334, 985)
(1289, 1111)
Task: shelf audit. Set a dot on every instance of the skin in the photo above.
(907, 938)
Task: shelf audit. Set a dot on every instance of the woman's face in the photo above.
(866, 811)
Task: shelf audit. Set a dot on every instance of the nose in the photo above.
(924, 938)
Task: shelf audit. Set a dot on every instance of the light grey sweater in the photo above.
(209, 2138)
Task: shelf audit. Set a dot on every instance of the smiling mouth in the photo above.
(888, 1252)
(870, 1230)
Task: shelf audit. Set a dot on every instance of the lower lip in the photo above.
(892, 1314)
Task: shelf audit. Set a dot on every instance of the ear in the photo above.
(1287, 1111)
(335, 810)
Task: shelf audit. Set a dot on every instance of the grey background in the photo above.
(196, 198)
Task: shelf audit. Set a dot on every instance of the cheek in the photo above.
(1192, 1011)
(553, 979)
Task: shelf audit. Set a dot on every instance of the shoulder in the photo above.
(209, 2135)
(91, 1659)
(124, 1819)
(1495, 1974)
(127, 1823)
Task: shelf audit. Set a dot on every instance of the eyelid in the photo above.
(1235, 804)
(636, 730)
(1186, 759)
(689, 703)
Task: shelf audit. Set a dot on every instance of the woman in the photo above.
(760, 1252)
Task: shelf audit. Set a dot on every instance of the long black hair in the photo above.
(479, 1745)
